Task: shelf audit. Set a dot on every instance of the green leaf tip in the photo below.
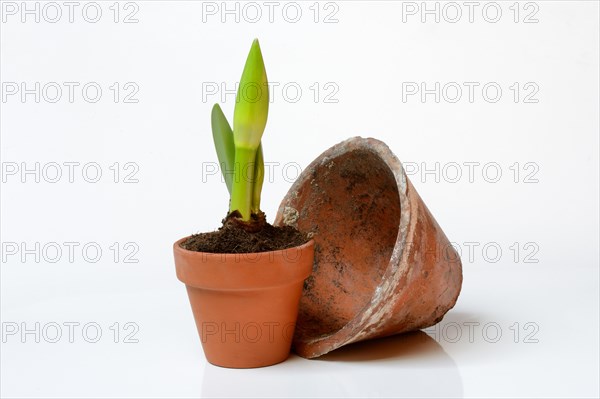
(252, 101)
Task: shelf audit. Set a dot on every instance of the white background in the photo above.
(533, 234)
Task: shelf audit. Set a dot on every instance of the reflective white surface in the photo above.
(527, 320)
(476, 351)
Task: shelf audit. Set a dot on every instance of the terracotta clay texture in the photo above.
(383, 265)
(245, 305)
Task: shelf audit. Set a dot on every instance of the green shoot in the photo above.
(249, 121)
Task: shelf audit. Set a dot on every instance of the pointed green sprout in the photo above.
(249, 121)
(240, 151)
(223, 139)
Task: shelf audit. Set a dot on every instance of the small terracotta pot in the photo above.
(245, 305)
(383, 265)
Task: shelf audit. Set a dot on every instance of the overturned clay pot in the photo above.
(382, 264)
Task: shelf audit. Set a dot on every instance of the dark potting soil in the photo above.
(236, 237)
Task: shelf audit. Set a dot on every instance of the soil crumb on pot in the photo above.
(236, 237)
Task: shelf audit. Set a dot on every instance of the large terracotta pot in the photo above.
(245, 305)
(383, 265)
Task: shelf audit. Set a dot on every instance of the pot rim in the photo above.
(243, 272)
(177, 246)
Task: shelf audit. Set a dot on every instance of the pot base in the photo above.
(246, 329)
